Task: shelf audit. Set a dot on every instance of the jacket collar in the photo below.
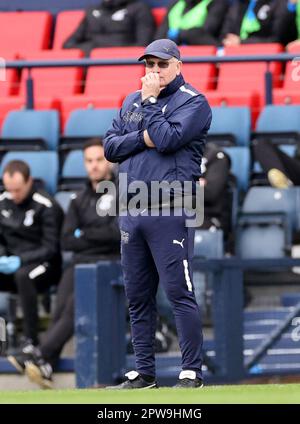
(172, 87)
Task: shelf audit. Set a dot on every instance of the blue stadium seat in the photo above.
(279, 118)
(74, 165)
(64, 198)
(269, 199)
(89, 122)
(33, 126)
(240, 165)
(209, 244)
(43, 166)
(262, 236)
(231, 121)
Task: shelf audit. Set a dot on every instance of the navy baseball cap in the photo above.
(163, 48)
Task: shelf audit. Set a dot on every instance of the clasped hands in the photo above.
(150, 87)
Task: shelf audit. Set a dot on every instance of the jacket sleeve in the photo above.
(232, 21)
(71, 223)
(144, 25)
(187, 123)
(274, 32)
(78, 36)
(162, 30)
(216, 177)
(51, 219)
(286, 25)
(118, 147)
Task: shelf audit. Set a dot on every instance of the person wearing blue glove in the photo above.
(30, 258)
(90, 237)
(189, 22)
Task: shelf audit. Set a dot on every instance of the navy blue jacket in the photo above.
(177, 125)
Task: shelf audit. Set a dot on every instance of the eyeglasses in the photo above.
(162, 64)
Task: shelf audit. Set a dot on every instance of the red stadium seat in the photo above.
(235, 98)
(294, 49)
(113, 80)
(25, 31)
(68, 104)
(201, 76)
(288, 97)
(8, 77)
(250, 76)
(66, 23)
(290, 93)
(158, 14)
(54, 82)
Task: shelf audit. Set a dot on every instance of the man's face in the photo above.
(17, 186)
(97, 167)
(167, 69)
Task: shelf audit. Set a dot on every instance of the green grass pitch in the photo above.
(255, 394)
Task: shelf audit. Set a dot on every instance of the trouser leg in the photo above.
(31, 280)
(141, 280)
(270, 156)
(171, 244)
(62, 325)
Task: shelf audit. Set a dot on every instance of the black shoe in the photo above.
(19, 359)
(134, 381)
(188, 380)
(39, 371)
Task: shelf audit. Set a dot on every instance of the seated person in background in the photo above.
(290, 23)
(193, 21)
(113, 23)
(215, 168)
(252, 21)
(282, 170)
(91, 238)
(30, 259)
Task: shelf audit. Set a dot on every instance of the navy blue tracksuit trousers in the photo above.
(159, 249)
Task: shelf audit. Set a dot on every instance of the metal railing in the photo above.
(86, 63)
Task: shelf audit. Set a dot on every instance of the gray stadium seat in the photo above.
(43, 166)
(232, 124)
(32, 128)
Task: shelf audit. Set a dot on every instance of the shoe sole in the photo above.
(152, 386)
(277, 179)
(15, 364)
(34, 374)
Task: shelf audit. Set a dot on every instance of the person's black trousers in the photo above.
(28, 282)
(270, 156)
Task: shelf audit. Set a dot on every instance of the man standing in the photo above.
(159, 135)
(91, 238)
(30, 259)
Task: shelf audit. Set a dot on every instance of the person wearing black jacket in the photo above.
(193, 21)
(30, 225)
(215, 168)
(113, 23)
(252, 21)
(91, 238)
(290, 22)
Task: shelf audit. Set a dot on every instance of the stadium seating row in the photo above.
(45, 166)
(231, 84)
(231, 126)
(26, 40)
